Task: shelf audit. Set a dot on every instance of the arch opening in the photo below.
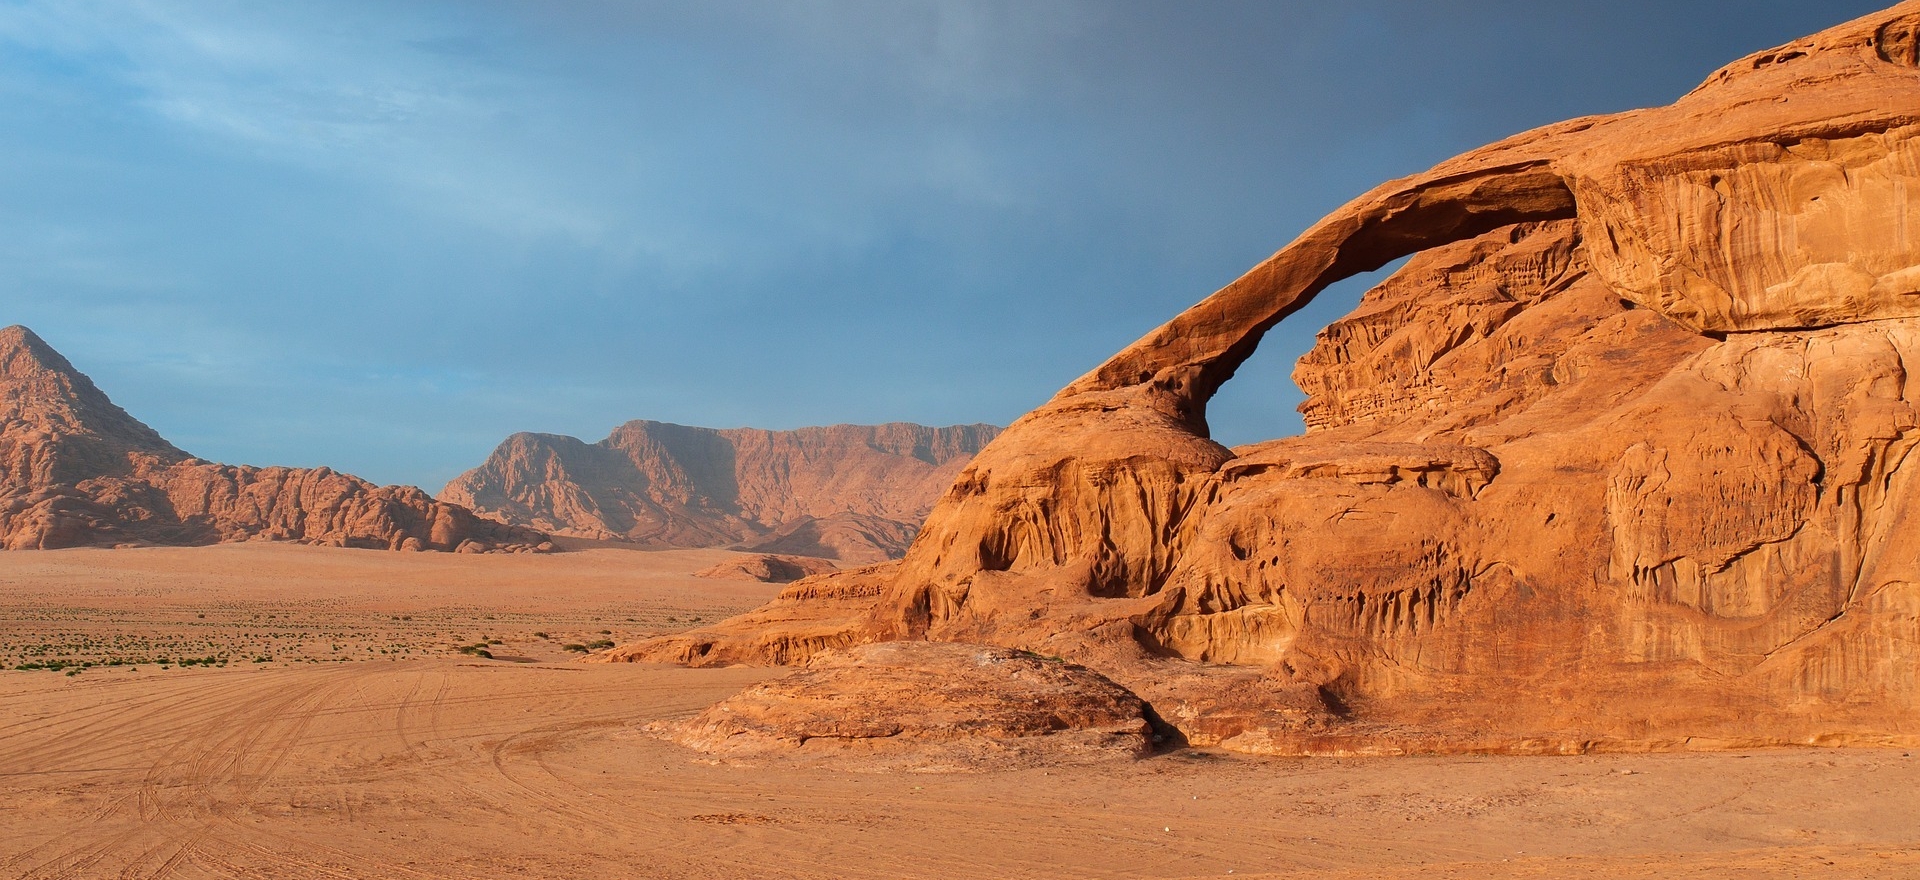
(1200, 349)
(1261, 401)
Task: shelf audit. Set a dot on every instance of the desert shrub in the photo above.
(1050, 658)
(581, 649)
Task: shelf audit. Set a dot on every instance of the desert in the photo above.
(1588, 555)
(335, 759)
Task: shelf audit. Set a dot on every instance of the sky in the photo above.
(382, 236)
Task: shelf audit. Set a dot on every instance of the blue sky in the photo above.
(381, 236)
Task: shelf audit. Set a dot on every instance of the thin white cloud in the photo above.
(360, 96)
(854, 114)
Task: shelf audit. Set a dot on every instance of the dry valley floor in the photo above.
(368, 745)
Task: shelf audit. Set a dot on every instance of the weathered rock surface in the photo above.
(767, 569)
(1622, 458)
(853, 493)
(928, 706)
(76, 470)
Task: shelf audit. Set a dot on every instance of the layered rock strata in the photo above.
(853, 493)
(1619, 459)
(76, 470)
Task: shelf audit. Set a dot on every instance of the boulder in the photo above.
(929, 707)
(767, 569)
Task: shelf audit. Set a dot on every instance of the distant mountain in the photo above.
(854, 493)
(77, 470)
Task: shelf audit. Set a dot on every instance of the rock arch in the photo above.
(1199, 350)
(1714, 509)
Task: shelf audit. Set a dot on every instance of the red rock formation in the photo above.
(855, 493)
(76, 470)
(928, 707)
(767, 569)
(1620, 459)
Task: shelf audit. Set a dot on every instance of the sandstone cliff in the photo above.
(1620, 459)
(855, 493)
(76, 470)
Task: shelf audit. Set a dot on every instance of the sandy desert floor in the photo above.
(368, 745)
(266, 604)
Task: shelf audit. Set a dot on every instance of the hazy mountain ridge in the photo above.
(77, 470)
(855, 493)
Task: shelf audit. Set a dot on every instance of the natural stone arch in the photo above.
(1104, 483)
(1104, 479)
(1745, 251)
(1199, 350)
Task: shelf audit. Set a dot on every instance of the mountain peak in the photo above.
(855, 493)
(19, 342)
(77, 470)
(40, 387)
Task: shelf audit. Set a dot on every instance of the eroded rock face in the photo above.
(853, 493)
(929, 707)
(1620, 459)
(76, 470)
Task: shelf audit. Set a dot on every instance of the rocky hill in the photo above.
(854, 493)
(76, 470)
(1623, 458)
